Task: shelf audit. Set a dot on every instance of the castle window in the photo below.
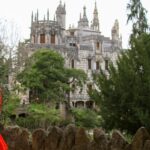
(89, 63)
(97, 45)
(97, 65)
(73, 88)
(42, 38)
(53, 39)
(72, 63)
(33, 38)
(72, 33)
(89, 87)
(106, 64)
(72, 44)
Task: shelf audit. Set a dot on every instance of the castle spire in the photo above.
(37, 17)
(60, 2)
(83, 22)
(95, 24)
(115, 30)
(47, 14)
(64, 5)
(80, 16)
(95, 9)
(84, 11)
(32, 17)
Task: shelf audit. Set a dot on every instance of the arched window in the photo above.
(89, 64)
(106, 64)
(97, 45)
(42, 38)
(52, 38)
(72, 63)
(97, 65)
(89, 87)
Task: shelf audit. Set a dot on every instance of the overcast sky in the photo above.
(19, 12)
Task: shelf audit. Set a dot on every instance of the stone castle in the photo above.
(83, 47)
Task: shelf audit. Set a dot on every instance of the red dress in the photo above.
(3, 145)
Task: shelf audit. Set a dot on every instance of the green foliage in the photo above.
(3, 71)
(86, 118)
(46, 75)
(137, 14)
(40, 116)
(124, 96)
(11, 104)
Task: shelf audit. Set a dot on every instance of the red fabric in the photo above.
(3, 145)
(1, 101)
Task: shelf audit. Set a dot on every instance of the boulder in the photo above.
(139, 139)
(22, 142)
(38, 139)
(100, 141)
(68, 139)
(117, 141)
(147, 145)
(53, 139)
(81, 140)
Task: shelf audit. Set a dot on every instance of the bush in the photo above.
(40, 116)
(86, 118)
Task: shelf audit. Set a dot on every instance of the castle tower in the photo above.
(95, 23)
(115, 31)
(117, 40)
(61, 15)
(83, 22)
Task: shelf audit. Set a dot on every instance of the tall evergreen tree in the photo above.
(124, 96)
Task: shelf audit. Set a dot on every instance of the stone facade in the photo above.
(83, 47)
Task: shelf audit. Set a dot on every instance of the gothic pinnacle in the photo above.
(47, 14)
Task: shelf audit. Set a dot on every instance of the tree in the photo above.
(85, 118)
(8, 40)
(47, 77)
(124, 96)
(4, 64)
(137, 15)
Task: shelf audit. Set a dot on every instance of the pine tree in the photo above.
(124, 96)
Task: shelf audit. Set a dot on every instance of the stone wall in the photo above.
(73, 138)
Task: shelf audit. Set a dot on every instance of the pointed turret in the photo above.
(115, 31)
(32, 16)
(117, 40)
(95, 22)
(37, 15)
(83, 22)
(61, 15)
(47, 14)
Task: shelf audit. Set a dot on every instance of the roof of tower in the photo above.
(116, 25)
(95, 9)
(84, 19)
(61, 9)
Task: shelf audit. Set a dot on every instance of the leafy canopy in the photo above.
(46, 75)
